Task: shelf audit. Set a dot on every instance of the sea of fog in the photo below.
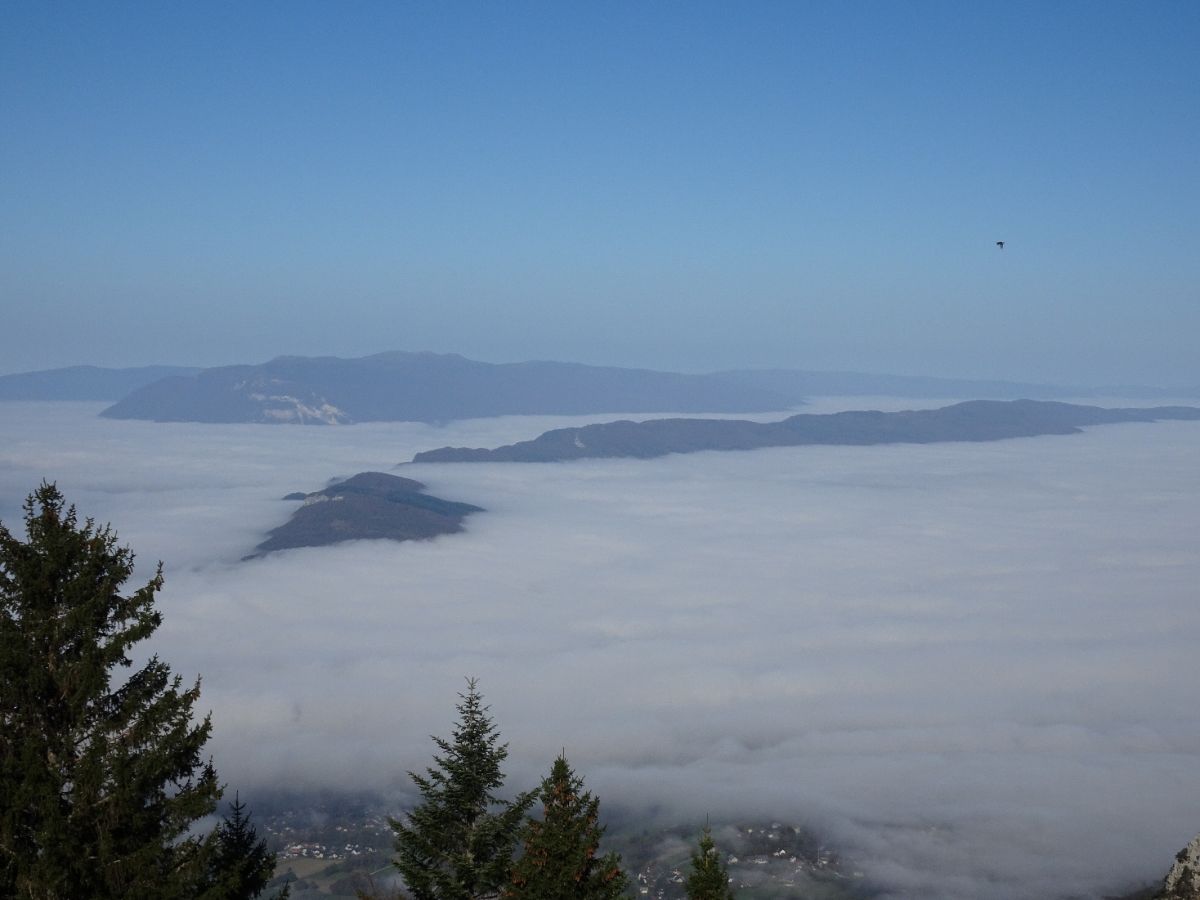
(973, 665)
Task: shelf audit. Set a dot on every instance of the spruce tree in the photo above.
(708, 879)
(239, 863)
(559, 860)
(101, 777)
(458, 843)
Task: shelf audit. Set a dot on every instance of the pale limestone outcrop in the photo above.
(1183, 881)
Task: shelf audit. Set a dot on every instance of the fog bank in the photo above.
(972, 664)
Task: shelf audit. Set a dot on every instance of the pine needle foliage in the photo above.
(708, 879)
(240, 865)
(101, 778)
(560, 861)
(458, 843)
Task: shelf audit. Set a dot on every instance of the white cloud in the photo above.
(974, 663)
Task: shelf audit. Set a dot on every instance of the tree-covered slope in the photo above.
(371, 505)
(975, 420)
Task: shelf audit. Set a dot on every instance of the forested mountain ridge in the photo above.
(975, 420)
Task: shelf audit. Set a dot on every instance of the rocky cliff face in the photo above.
(1183, 881)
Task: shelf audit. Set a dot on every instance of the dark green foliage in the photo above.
(458, 843)
(101, 778)
(559, 861)
(708, 879)
(371, 891)
(239, 863)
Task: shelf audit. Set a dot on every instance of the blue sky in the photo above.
(691, 186)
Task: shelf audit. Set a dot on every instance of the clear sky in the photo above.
(672, 185)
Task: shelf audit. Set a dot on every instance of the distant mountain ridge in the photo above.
(84, 382)
(974, 420)
(806, 383)
(429, 387)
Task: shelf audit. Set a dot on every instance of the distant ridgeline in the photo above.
(430, 387)
(84, 382)
(369, 505)
(975, 420)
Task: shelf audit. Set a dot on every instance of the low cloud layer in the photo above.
(973, 665)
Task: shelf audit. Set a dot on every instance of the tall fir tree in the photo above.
(458, 843)
(101, 778)
(239, 863)
(708, 879)
(559, 860)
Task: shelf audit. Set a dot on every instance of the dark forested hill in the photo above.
(976, 420)
(429, 387)
(369, 505)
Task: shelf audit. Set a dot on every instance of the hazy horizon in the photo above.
(815, 185)
(1076, 383)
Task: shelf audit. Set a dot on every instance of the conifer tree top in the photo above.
(457, 844)
(560, 858)
(99, 785)
(708, 879)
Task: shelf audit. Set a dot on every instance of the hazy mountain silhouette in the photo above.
(84, 382)
(804, 383)
(429, 387)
